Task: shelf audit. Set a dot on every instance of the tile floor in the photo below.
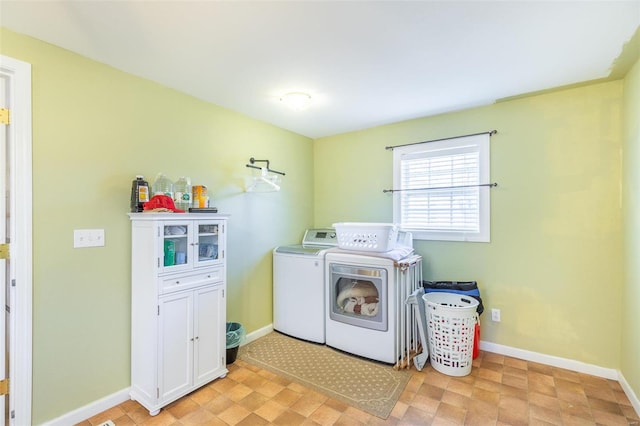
(499, 391)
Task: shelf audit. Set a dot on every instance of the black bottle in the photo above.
(139, 194)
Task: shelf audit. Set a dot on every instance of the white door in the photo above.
(177, 245)
(17, 274)
(5, 275)
(208, 327)
(175, 345)
(208, 240)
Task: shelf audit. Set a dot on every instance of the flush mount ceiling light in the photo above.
(297, 101)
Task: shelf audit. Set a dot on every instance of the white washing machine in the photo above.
(299, 285)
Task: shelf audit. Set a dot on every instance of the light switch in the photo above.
(88, 238)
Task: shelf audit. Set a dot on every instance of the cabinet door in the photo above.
(176, 245)
(209, 243)
(210, 335)
(175, 345)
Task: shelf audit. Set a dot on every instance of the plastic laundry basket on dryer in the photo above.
(451, 321)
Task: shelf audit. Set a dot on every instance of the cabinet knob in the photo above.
(177, 282)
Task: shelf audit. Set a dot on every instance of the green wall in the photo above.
(94, 129)
(554, 264)
(631, 213)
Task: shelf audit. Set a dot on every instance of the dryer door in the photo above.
(358, 296)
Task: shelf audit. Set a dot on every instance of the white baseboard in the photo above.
(258, 334)
(554, 361)
(110, 401)
(96, 407)
(633, 398)
(568, 364)
(90, 410)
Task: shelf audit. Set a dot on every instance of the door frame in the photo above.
(21, 265)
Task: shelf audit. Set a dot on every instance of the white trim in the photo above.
(568, 364)
(110, 401)
(554, 361)
(633, 398)
(20, 345)
(479, 144)
(91, 409)
(96, 407)
(258, 334)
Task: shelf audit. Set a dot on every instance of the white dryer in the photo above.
(366, 311)
(299, 285)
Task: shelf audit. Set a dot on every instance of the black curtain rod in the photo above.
(490, 133)
(490, 185)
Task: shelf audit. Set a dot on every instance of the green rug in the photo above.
(370, 386)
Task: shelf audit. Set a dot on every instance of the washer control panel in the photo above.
(320, 237)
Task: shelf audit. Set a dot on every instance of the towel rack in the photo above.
(253, 161)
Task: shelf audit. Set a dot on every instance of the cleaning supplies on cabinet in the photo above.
(162, 185)
(182, 193)
(184, 197)
(200, 196)
(169, 253)
(139, 194)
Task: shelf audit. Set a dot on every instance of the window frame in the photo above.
(478, 143)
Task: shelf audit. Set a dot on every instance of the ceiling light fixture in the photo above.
(297, 101)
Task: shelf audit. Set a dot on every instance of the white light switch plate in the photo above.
(88, 238)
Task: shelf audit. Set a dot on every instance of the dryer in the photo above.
(365, 311)
(299, 285)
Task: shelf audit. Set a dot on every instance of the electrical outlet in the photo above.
(88, 238)
(107, 423)
(495, 315)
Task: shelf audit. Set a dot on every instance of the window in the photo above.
(436, 189)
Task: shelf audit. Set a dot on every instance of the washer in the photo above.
(299, 285)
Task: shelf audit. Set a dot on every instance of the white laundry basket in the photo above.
(451, 320)
(363, 236)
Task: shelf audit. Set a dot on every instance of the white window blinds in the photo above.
(439, 197)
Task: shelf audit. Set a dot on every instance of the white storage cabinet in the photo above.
(178, 305)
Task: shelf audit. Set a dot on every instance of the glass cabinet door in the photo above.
(207, 242)
(176, 245)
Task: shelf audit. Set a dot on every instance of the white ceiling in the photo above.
(365, 63)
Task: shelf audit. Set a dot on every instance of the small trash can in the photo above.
(235, 336)
(451, 321)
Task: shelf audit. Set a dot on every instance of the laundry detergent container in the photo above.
(235, 336)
